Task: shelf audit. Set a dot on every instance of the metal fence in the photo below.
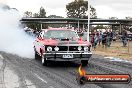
(116, 49)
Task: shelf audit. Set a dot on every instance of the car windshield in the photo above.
(85, 37)
(61, 34)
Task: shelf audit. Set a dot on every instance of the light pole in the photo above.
(88, 20)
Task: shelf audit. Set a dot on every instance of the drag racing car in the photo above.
(60, 44)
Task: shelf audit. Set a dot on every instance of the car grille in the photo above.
(65, 48)
(68, 48)
(73, 48)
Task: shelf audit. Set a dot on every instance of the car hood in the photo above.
(65, 43)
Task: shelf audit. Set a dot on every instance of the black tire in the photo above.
(36, 55)
(44, 61)
(84, 62)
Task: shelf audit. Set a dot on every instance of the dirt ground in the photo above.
(115, 50)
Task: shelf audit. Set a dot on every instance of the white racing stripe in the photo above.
(40, 78)
(1, 56)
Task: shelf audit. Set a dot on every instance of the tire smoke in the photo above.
(13, 39)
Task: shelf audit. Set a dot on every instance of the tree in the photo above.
(35, 15)
(113, 18)
(42, 12)
(36, 26)
(129, 17)
(79, 8)
(93, 13)
(28, 14)
(54, 16)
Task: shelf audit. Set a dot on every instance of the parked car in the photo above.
(59, 44)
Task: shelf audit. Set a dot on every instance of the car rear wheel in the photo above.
(84, 62)
(44, 61)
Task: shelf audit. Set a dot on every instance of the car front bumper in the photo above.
(58, 56)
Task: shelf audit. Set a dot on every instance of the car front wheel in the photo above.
(36, 56)
(44, 61)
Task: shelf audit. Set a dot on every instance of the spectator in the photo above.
(105, 38)
(110, 37)
(124, 37)
(100, 36)
(94, 38)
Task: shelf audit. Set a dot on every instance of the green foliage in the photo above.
(93, 13)
(79, 8)
(113, 18)
(129, 17)
(36, 15)
(28, 14)
(54, 16)
(40, 14)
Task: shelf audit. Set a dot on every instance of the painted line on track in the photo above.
(118, 59)
(40, 78)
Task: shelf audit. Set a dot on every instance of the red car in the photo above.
(59, 44)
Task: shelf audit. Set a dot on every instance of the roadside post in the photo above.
(128, 47)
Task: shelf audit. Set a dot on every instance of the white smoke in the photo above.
(13, 39)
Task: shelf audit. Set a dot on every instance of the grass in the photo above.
(116, 50)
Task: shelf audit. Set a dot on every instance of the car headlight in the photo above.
(49, 48)
(85, 48)
(56, 48)
(79, 48)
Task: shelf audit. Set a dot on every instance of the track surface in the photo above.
(29, 73)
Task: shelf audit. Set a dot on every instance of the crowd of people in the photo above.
(105, 38)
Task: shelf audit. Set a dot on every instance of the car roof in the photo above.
(56, 29)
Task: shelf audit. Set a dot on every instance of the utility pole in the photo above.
(88, 20)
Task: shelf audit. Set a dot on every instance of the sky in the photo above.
(104, 8)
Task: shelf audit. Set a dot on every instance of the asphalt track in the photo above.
(18, 72)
